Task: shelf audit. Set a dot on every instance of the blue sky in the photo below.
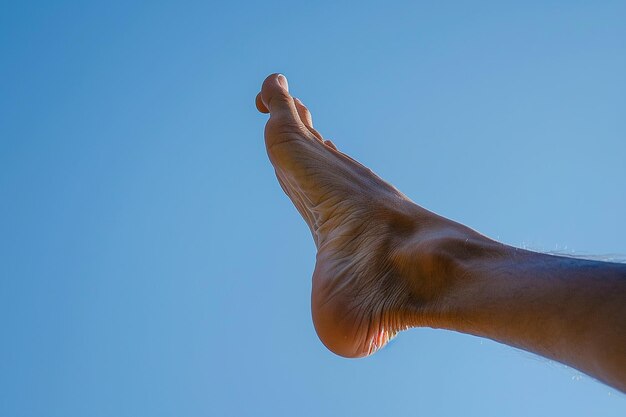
(150, 263)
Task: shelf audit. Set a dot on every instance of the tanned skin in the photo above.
(385, 264)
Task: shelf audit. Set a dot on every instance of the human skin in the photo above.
(385, 264)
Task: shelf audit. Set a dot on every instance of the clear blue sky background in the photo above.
(150, 265)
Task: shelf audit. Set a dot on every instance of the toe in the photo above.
(284, 124)
(260, 105)
(303, 112)
(306, 118)
(274, 98)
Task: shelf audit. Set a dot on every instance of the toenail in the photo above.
(282, 80)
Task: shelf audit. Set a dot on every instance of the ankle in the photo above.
(435, 261)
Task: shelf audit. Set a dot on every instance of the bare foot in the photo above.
(362, 295)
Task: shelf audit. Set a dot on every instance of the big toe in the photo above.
(275, 99)
(285, 126)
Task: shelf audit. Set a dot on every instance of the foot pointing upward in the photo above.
(359, 299)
